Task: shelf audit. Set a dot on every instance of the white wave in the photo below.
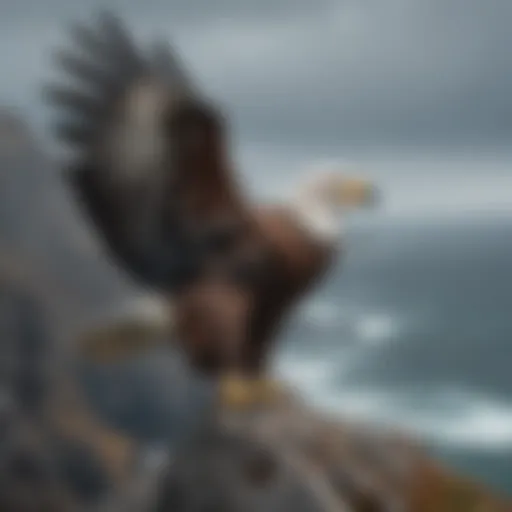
(443, 415)
(472, 421)
(315, 375)
(322, 312)
(374, 329)
(370, 329)
(309, 374)
(476, 422)
(447, 417)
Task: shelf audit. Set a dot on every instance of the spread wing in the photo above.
(149, 161)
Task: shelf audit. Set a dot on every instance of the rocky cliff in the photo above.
(291, 457)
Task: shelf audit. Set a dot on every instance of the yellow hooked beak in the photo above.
(357, 193)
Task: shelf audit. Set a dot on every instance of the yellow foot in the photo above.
(269, 391)
(240, 392)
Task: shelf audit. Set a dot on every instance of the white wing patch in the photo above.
(138, 141)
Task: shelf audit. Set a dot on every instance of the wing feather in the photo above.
(147, 146)
(74, 133)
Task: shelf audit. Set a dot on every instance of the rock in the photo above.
(48, 247)
(47, 240)
(55, 454)
(55, 284)
(291, 457)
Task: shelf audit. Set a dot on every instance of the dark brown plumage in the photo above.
(149, 158)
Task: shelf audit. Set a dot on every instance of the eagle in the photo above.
(150, 163)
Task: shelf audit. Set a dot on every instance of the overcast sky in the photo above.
(406, 89)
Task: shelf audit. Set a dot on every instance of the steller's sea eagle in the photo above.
(151, 166)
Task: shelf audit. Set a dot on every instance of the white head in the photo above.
(323, 200)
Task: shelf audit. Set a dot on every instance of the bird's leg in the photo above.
(235, 390)
(240, 391)
(269, 390)
(245, 384)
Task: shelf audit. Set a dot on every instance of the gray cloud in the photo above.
(174, 11)
(315, 74)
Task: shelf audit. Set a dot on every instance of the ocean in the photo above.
(414, 329)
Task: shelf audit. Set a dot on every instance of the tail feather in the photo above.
(140, 326)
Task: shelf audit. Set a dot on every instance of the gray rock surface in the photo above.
(44, 234)
(286, 457)
(55, 283)
(48, 247)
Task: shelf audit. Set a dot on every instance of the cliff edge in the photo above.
(290, 457)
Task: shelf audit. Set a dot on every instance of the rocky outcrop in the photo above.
(44, 231)
(290, 457)
(55, 453)
(53, 448)
(49, 248)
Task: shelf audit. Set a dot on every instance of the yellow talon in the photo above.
(269, 391)
(236, 391)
